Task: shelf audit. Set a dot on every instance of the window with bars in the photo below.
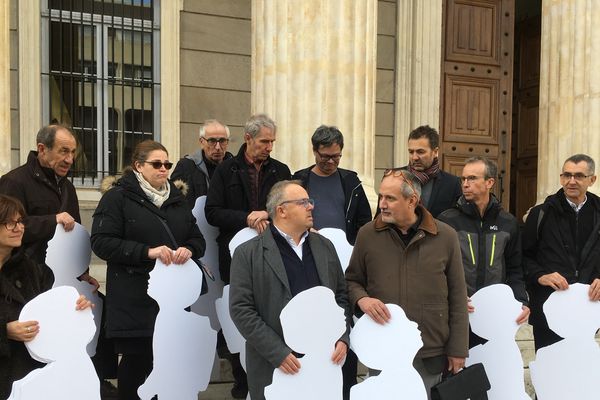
(100, 76)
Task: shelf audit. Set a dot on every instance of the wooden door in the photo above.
(476, 97)
(525, 124)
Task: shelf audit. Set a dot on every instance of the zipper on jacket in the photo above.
(351, 198)
(471, 248)
(493, 249)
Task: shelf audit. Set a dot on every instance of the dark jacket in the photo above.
(20, 281)
(490, 246)
(125, 226)
(228, 200)
(425, 278)
(356, 204)
(43, 197)
(260, 290)
(549, 246)
(192, 170)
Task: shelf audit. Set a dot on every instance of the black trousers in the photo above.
(135, 365)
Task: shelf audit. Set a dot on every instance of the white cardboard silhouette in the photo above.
(61, 342)
(312, 323)
(569, 369)
(234, 339)
(342, 247)
(390, 348)
(184, 343)
(205, 305)
(494, 319)
(241, 237)
(68, 256)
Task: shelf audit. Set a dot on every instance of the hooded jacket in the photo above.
(356, 205)
(125, 226)
(490, 246)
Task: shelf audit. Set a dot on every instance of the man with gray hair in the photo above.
(561, 243)
(267, 271)
(490, 239)
(237, 197)
(406, 257)
(197, 169)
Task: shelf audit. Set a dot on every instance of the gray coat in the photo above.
(260, 290)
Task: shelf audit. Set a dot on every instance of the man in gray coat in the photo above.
(267, 271)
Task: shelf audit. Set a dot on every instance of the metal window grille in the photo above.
(100, 76)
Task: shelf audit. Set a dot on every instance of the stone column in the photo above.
(5, 86)
(419, 60)
(313, 63)
(569, 120)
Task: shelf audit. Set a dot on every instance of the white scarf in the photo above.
(157, 197)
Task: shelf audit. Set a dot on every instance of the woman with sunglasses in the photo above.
(142, 218)
(20, 281)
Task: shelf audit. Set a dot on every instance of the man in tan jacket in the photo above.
(406, 257)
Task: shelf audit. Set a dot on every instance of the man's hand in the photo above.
(375, 309)
(65, 219)
(455, 364)
(522, 318)
(290, 365)
(86, 277)
(22, 331)
(82, 303)
(339, 354)
(470, 307)
(594, 292)
(555, 280)
(258, 220)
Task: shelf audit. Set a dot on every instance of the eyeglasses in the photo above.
(400, 172)
(11, 225)
(300, 202)
(470, 178)
(158, 164)
(579, 176)
(327, 157)
(212, 142)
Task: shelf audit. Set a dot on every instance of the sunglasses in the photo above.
(158, 164)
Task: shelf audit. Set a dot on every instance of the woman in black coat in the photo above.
(20, 281)
(141, 219)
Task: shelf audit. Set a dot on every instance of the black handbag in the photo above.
(469, 383)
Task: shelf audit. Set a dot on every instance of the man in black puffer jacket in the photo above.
(489, 237)
(561, 243)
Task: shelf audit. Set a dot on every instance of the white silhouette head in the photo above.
(175, 285)
(312, 321)
(561, 319)
(63, 329)
(386, 346)
(496, 312)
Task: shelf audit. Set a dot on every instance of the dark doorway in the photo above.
(524, 144)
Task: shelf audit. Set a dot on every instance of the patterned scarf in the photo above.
(157, 197)
(428, 174)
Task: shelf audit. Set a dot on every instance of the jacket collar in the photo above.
(470, 208)
(46, 174)
(427, 222)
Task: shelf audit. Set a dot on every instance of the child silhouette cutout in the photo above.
(494, 319)
(68, 256)
(183, 343)
(312, 323)
(568, 369)
(61, 342)
(390, 348)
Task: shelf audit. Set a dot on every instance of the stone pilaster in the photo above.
(569, 121)
(5, 86)
(313, 63)
(418, 60)
(30, 83)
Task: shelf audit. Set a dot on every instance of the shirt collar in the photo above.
(574, 206)
(289, 239)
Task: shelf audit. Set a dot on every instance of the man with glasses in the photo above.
(237, 198)
(440, 190)
(489, 237)
(267, 271)
(406, 257)
(197, 169)
(339, 193)
(561, 243)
